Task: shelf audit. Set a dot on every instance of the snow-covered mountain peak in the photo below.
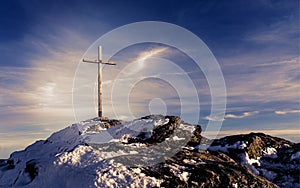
(91, 145)
(153, 151)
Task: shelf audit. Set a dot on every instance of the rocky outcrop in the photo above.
(153, 151)
(159, 133)
(256, 142)
(205, 169)
(276, 159)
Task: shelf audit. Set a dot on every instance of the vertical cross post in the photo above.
(99, 62)
(99, 81)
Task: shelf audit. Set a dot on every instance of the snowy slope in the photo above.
(67, 159)
(276, 159)
(153, 151)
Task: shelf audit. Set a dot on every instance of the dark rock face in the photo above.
(6, 164)
(110, 123)
(256, 142)
(205, 169)
(31, 169)
(196, 136)
(211, 168)
(220, 168)
(162, 132)
(273, 158)
(248, 160)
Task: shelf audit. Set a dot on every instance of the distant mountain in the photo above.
(153, 151)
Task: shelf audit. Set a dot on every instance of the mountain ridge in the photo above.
(152, 151)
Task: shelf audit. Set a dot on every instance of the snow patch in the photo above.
(186, 127)
(179, 171)
(234, 185)
(295, 156)
(67, 152)
(270, 152)
(176, 138)
(224, 149)
(270, 175)
(247, 160)
(184, 176)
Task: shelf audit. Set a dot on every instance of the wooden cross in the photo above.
(99, 62)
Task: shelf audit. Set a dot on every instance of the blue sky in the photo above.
(41, 42)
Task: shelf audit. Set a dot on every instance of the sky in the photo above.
(256, 44)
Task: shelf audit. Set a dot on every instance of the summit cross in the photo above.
(99, 62)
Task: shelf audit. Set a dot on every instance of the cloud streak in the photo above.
(243, 115)
(263, 82)
(38, 96)
(260, 63)
(284, 112)
(231, 116)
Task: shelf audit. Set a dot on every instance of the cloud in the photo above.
(42, 92)
(255, 82)
(230, 116)
(143, 56)
(277, 32)
(38, 95)
(266, 67)
(243, 115)
(213, 118)
(284, 112)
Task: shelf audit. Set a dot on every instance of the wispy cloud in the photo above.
(259, 83)
(277, 32)
(42, 92)
(284, 112)
(243, 115)
(231, 116)
(39, 94)
(143, 56)
(268, 70)
(213, 118)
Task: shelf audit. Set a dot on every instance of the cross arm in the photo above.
(90, 61)
(96, 61)
(109, 63)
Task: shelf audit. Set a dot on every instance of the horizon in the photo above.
(256, 45)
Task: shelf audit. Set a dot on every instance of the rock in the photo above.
(160, 133)
(267, 156)
(205, 169)
(196, 136)
(113, 153)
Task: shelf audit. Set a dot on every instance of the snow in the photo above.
(201, 147)
(90, 126)
(189, 161)
(270, 152)
(244, 157)
(270, 175)
(218, 148)
(176, 138)
(179, 171)
(295, 156)
(187, 127)
(253, 169)
(249, 161)
(184, 176)
(69, 152)
(288, 181)
(86, 147)
(120, 133)
(224, 149)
